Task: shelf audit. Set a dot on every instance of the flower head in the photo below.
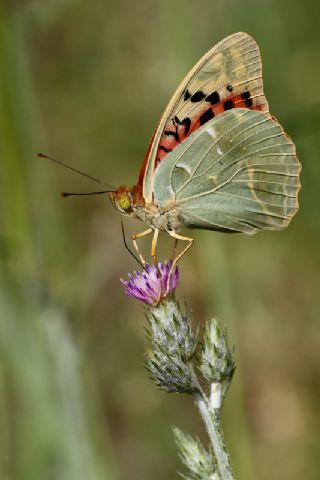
(152, 284)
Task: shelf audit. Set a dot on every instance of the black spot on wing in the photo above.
(246, 97)
(213, 98)
(173, 134)
(187, 95)
(165, 149)
(228, 104)
(229, 87)
(206, 116)
(198, 96)
(186, 122)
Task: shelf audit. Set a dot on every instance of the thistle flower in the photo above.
(150, 286)
(174, 345)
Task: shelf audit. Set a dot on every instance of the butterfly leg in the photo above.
(177, 237)
(174, 247)
(135, 244)
(154, 247)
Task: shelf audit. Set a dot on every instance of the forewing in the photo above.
(228, 76)
(237, 173)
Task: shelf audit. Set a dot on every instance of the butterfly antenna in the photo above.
(126, 245)
(68, 194)
(62, 164)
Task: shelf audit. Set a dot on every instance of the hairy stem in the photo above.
(211, 419)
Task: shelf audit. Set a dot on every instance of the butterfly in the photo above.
(217, 159)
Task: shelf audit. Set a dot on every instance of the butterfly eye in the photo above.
(124, 202)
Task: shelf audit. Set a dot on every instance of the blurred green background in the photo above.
(86, 82)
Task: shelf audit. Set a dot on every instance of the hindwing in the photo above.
(238, 173)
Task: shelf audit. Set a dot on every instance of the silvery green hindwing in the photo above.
(175, 360)
(218, 160)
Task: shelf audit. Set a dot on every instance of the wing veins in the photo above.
(227, 194)
(233, 148)
(212, 223)
(195, 106)
(215, 53)
(252, 79)
(271, 172)
(246, 65)
(218, 187)
(208, 150)
(283, 184)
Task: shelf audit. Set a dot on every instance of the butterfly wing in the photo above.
(237, 173)
(228, 76)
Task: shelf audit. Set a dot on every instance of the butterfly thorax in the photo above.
(155, 217)
(130, 201)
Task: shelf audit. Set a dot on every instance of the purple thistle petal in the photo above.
(150, 287)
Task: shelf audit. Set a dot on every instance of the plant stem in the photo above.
(211, 419)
